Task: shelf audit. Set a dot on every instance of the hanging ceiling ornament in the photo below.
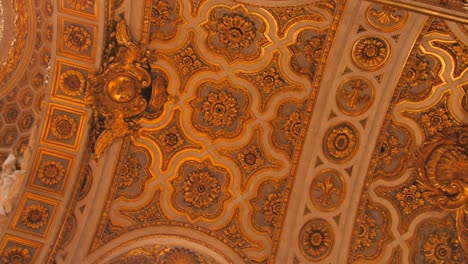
(123, 90)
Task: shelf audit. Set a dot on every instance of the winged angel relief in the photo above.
(123, 90)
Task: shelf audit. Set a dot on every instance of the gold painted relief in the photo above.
(235, 33)
(386, 18)
(316, 239)
(328, 190)
(370, 52)
(51, 171)
(17, 250)
(341, 142)
(35, 215)
(355, 96)
(64, 127)
(422, 155)
(77, 39)
(119, 91)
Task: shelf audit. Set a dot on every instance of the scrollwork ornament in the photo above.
(386, 18)
(122, 90)
(441, 169)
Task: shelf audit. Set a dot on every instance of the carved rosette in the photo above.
(341, 142)
(201, 189)
(370, 53)
(316, 239)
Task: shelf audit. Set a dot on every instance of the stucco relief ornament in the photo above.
(123, 90)
(442, 172)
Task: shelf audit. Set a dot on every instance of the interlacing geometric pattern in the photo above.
(302, 131)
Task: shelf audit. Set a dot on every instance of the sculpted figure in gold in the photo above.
(442, 167)
(123, 89)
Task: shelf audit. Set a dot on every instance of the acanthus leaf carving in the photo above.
(123, 90)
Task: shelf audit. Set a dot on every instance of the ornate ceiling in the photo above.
(157, 131)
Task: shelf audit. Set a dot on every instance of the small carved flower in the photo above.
(220, 109)
(129, 171)
(51, 172)
(72, 83)
(367, 232)
(160, 13)
(79, 4)
(410, 199)
(341, 142)
(201, 189)
(370, 52)
(171, 139)
(250, 159)
(436, 121)
(35, 216)
(316, 240)
(16, 255)
(235, 31)
(179, 255)
(77, 38)
(232, 234)
(272, 208)
(187, 60)
(269, 80)
(292, 127)
(63, 127)
(442, 248)
(313, 49)
(389, 149)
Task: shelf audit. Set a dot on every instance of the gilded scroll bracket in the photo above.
(123, 90)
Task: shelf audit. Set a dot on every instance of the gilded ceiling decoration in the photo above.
(233, 132)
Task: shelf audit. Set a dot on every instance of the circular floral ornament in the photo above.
(35, 216)
(341, 142)
(292, 127)
(63, 127)
(200, 189)
(316, 239)
(272, 208)
(441, 247)
(410, 199)
(250, 159)
(220, 109)
(72, 83)
(171, 139)
(179, 255)
(77, 38)
(327, 190)
(16, 255)
(235, 31)
(370, 53)
(51, 172)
